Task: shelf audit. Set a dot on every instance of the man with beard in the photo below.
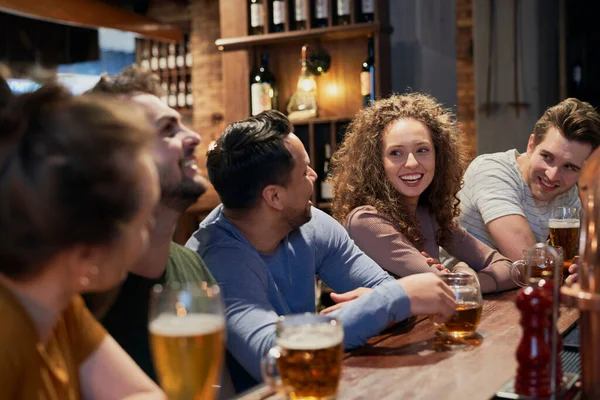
(124, 313)
(265, 243)
(507, 197)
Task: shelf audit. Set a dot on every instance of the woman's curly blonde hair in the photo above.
(358, 175)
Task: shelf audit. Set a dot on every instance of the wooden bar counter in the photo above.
(410, 363)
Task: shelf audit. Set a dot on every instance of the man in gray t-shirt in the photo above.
(507, 197)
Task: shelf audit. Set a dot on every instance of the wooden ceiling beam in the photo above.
(94, 14)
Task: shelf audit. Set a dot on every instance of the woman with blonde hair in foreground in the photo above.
(78, 187)
(395, 179)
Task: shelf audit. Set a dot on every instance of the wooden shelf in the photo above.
(334, 32)
(321, 120)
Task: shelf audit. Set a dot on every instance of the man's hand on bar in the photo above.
(573, 272)
(342, 298)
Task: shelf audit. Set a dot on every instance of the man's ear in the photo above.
(530, 145)
(272, 196)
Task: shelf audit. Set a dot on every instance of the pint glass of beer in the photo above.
(307, 357)
(564, 231)
(187, 329)
(468, 307)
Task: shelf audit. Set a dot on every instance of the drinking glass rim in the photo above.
(306, 319)
(195, 288)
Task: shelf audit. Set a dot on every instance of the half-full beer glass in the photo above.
(307, 357)
(187, 329)
(538, 263)
(469, 304)
(564, 231)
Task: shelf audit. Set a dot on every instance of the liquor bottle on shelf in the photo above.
(321, 13)
(343, 12)
(180, 59)
(367, 77)
(278, 15)
(300, 17)
(367, 10)
(257, 17)
(181, 92)
(188, 53)
(164, 96)
(154, 58)
(162, 61)
(263, 88)
(189, 97)
(172, 94)
(326, 187)
(145, 62)
(171, 58)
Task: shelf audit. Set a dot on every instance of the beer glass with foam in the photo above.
(187, 331)
(468, 307)
(564, 231)
(306, 361)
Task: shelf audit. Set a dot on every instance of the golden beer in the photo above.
(310, 364)
(187, 353)
(465, 321)
(565, 233)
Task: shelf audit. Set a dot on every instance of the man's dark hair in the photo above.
(576, 120)
(250, 155)
(130, 81)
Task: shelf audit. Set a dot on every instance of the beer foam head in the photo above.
(311, 338)
(563, 223)
(189, 325)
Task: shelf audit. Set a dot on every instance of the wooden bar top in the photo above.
(410, 363)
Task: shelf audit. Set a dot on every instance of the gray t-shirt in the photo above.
(494, 187)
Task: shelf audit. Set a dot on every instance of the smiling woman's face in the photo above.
(408, 158)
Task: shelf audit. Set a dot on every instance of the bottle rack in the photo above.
(338, 91)
(172, 63)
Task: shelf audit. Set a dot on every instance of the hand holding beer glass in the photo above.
(564, 232)
(308, 357)
(463, 324)
(187, 330)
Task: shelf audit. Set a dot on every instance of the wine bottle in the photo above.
(300, 16)
(367, 10)
(188, 53)
(145, 62)
(343, 12)
(326, 188)
(172, 94)
(321, 13)
(154, 59)
(263, 88)
(164, 96)
(171, 58)
(257, 17)
(180, 59)
(278, 13)
(181, 92)
(189, 97)
(162, 61)
(367, 77)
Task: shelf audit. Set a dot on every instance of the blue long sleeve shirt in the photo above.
(257, 288)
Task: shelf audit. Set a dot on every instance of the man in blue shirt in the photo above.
(265, 243)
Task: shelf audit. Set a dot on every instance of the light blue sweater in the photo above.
(257, 288)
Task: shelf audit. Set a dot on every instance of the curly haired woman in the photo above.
(395, 180)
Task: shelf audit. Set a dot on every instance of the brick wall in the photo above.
(466, 73)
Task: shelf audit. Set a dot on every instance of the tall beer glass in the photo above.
(308, 357)
(564, 231)
(469, 305)
(187, 329)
